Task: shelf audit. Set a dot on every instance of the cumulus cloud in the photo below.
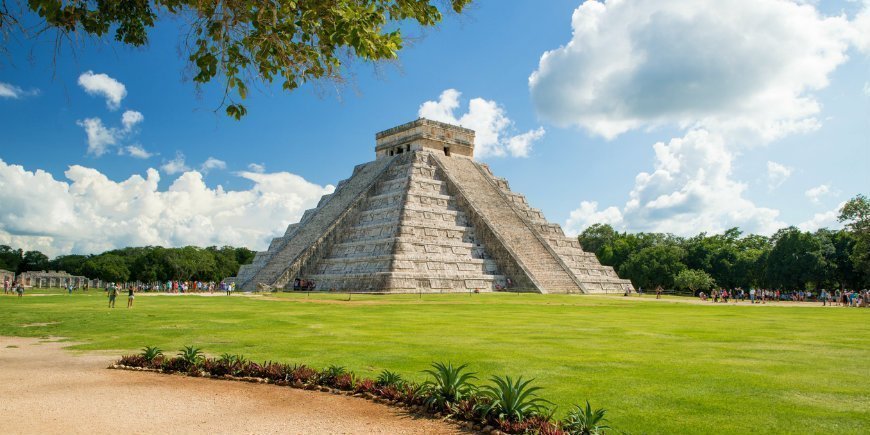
(130, 119)
(137, 151)
(827, 219)
(727, 74)
(489, 121)
(777, 173)
(100, 137)
(8, 90)
(257, 167)
(104, 86)
(212, 163)
(741, 65)
(91, 213)
(175, 165)
(588, 214)
(816, 193)
(689, 190)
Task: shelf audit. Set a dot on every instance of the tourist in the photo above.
(715, 295)
(20, 289)
(824, 297)
(113, 293)
(725, 295)
(130, 297)
(6, 285)
(659, 292)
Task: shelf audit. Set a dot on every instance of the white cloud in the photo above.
(257, 167)
(130, 119)
(867, 89)
(91, 213)
(138, 152)
(728, 74)
(777, 173)
(521, 144)
(816, 193)
(8, 90)
(103, 85)
(827, 219)
(588, 215)
(212, 163)
(689, 190)
(175, 165)
(100, 137)
(489, 122)
(740, 66)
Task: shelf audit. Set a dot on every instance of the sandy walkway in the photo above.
(44, 389)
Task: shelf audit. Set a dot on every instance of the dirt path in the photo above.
(44, 389)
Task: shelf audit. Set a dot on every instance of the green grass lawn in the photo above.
(657, 366)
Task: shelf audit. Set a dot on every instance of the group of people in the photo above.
(175, 286)
(16, 288)
(850, 298)
(112, 291)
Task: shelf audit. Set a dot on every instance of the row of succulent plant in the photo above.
(511, 405)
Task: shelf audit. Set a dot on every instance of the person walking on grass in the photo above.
(659, 292)
(130, 296)
(113, 293)
(20, 290)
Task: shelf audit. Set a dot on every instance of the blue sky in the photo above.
(649, 115)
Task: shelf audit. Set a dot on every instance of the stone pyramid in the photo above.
(425, 217)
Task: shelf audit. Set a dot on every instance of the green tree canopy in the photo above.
(694, 280)
(856, 214)
(236, 42)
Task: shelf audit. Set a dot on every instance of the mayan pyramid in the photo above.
(425, 217)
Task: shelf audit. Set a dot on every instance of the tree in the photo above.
(694, 280)
(10, 258)
(33, 260)
(856, 214)
(796, 259)
(293, 41)
(655, 265)
(108, 267)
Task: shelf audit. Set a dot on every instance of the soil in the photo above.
(45, 389)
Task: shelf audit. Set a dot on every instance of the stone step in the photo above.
(528, 249)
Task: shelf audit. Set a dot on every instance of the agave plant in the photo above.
(191, 355)
(512, 400)
(585, 421)
(149, 353)
(329, 375)
(390, 379)
(448, 385)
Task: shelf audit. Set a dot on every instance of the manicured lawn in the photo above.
(657, 366)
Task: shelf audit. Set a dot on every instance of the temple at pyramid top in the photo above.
(425, 217)
(451, 140)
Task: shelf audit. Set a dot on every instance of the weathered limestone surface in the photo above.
(286, 257)
(424, 217)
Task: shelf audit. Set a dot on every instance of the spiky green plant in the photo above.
(512, 400)
(390, 379)
(329, 375)
(585, 421)
(448, 385)
(149, 353)
(191, 355)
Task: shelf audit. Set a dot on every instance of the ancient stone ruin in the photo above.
(425, 217)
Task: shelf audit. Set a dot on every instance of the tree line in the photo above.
(790, 259)
(146, 264)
